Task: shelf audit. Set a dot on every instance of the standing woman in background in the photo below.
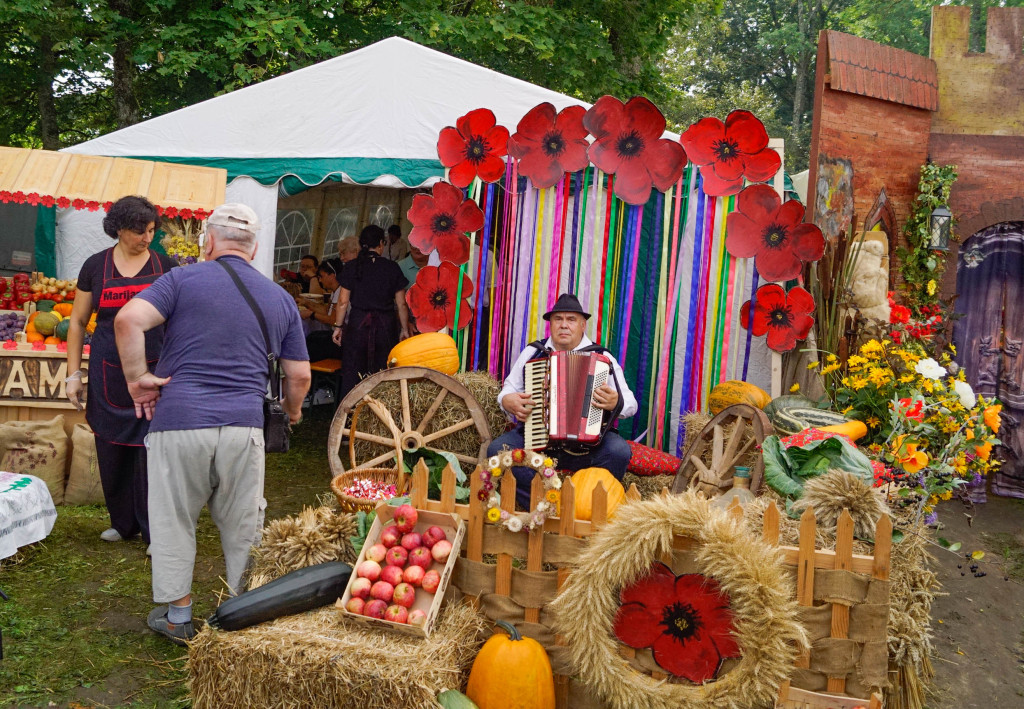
(374, 287)
(107, 281)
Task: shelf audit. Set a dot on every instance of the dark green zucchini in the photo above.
(296, 592)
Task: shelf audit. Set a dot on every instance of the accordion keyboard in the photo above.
(535, 429)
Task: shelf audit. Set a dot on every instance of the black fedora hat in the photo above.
(567, 303)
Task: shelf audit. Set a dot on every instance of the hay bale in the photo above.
(321, 659)
(484, 389)
(648, 485)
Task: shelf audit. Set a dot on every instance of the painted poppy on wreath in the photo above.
(628, 144)
(433, 298)
(549, 145)
(440, 221)
(785, 317)
(475, 147)
(728, 152)
(913, 409)
(685, 620)
(773, 233)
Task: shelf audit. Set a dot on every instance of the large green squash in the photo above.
(794, 413)
(453, 699)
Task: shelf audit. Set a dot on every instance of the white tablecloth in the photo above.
(27, 513)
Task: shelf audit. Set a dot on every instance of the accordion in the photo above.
(562, 386)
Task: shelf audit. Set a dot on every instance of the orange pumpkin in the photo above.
(735, 391)
(34, 337)
(63, 308)
(511, 672)
(585, 481)
(30, 328)
(52, 341)
(433, 350)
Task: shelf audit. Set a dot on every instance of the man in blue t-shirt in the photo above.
(205, 401)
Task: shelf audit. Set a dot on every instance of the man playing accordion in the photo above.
(567, 321)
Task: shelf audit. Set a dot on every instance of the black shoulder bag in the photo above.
(276, 424)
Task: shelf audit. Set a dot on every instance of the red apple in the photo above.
(405, 595)
(361, 588)
(392, 574)
(432, 536)
(355, 605)
(441, 550)
(396, 614)
(405, 518)
(376, 553)
(411, 540)
(369, 569)
(420, 556)
(397, 556)
(375, 609)
(382, 591)
(390, 536)
(431, 580)
(413, 575)
(417, 618)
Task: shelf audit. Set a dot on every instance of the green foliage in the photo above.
(921, 267)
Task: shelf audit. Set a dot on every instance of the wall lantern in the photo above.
(941, 225)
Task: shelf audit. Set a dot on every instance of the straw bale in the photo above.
(693, 423)
(648, 485)
(321, 659)
(484, 389)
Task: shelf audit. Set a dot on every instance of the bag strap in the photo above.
(273, 365)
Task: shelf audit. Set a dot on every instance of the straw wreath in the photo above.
(749, 570)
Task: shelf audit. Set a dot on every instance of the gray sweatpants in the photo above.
(221, 468)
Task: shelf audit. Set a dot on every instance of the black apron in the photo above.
(110, 410)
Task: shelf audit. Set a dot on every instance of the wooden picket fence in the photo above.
(805, 558)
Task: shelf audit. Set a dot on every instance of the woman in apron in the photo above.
(107, 281)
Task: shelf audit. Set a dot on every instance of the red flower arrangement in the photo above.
(913, 410)
(728, 152)
(475, 147)
(549, 145)
(433, 298)
(629, 145)
(785, 317)
(685, 620)
(772, 232)
(440, 221)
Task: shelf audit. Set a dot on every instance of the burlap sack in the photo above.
(84, 487)
(36, 448)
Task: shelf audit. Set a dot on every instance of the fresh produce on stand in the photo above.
(10, 325)
(511, 666)
(734, 391)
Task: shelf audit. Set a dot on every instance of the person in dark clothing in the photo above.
(319, 343)
(107, 281)
(374, 288)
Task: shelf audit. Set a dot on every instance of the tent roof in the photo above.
(387, 101)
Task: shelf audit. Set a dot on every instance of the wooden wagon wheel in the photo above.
(405, 435)
(749, 428)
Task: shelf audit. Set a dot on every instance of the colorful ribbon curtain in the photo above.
(663, 291)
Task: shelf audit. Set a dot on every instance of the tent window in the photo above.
(383, 215)
(341, 222)
(294, 237)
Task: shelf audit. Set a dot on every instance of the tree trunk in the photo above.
(126, 107)
(45, 74)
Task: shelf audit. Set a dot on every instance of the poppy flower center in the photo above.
(779, 317)
(680, 621)
(726, 149)
(443, 223)
(476, 148)
(630, 144)
(439, 298)
(554, 144)
(775, 236)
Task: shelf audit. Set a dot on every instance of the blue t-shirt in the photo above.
(213, 350)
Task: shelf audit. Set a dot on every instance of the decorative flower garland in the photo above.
(35, 199)
(498, 465)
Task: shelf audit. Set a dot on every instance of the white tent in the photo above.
(371, 116)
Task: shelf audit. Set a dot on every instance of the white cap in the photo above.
(236, 216)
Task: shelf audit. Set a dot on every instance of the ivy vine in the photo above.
(920, 266)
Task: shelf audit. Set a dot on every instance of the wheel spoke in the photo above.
(432, 410)
(379, 459)
(466, 423)
(363, 436)
(406, 417)
(735, 439)
(716, 446)
(467, 459)
(742, 452)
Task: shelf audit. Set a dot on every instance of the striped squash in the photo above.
(792, 414)
(433, 350)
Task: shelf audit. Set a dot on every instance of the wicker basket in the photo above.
(354, 504)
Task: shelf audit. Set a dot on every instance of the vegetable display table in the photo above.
(32, 385)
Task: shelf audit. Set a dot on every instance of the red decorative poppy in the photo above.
(440, 221)
(913, 410)
(728, 152)
(434, 298)
(786, 317)
(629, 145)
(685, 620)
(773, 233)
(474, 147)
(548, 146)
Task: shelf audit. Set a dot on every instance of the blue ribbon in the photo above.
(484, 266)
(750, 323)
(695, 274)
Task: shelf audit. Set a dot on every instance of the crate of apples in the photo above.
(403, 569)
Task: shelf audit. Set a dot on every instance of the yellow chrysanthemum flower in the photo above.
(931, 287)
(832, 358)
(813, 365)
(794, 389)
(496, 473)
(828, 369)
(493, 515)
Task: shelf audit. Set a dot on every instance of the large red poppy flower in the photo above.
(548, 146)
(728, 152)
(685, 620)
(629, 145)
(786, 317)
(434, 298)
(773, 233)
(474, 147)
(440, 221)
